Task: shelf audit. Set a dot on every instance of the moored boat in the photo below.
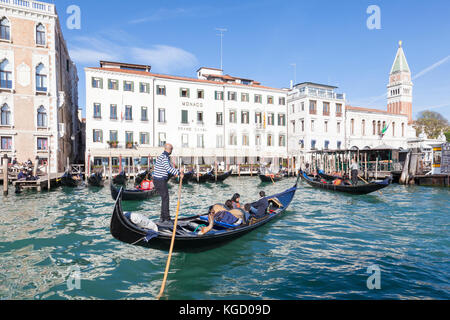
(71, 180)
(96, 179)
(270, 178)
(130, 195)
(220, 177)
(359, 189)
(121, 178)
(187, 238)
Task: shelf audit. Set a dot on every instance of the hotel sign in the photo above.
(192, 104)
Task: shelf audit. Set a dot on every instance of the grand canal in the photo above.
(321, 248)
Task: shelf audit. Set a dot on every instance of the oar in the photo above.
(369, 183)
(171, 243)
(271, 179)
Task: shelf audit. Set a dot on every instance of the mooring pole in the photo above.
(5, 175)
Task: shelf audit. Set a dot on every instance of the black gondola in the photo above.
(329, 177)
(187, 177)
(96, 179)
(220, 177)
(357, 189)
(202, 178)
(130, 195)
(69, 180)
(186, 238)
(121, 178)
(270, 178)
(141, 176)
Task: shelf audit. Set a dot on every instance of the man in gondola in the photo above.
(162, 171)
(354, 172)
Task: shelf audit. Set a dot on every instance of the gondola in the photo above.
(187, 177)
(187, 239)
(220, 177)
(202, 178)
(121, 178)
(270, 178)
(140, 177)
(96, 179)
(357, 190)
(327, 176)
(68, 180)
(132, 195)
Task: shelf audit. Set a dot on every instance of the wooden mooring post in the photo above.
(5, 175)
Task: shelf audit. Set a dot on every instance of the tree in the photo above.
(432, 123)
(447, 135)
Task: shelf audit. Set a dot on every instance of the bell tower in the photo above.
(400, 86)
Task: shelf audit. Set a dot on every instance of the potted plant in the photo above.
(129, 145)
(113, 144)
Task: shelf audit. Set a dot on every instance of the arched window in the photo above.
(363, 127)
(42, 117)
(5, 74)
(5, 29)
(41, 78)
(374, 124)
(393, 129)
(40, 34)
(403, 129)
(352, 126)
(5, 115)
(379, 127)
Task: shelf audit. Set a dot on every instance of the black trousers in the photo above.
(163, 191)
(354, 177)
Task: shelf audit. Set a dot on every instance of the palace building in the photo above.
(38, 86)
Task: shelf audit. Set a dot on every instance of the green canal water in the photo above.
(57, 245)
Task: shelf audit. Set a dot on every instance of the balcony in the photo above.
(313, 111)
(32, 5)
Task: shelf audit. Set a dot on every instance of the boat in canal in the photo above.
(187, 237)
(131, 194)
(71, 180)
(270, 178)
(187, 177)
(360, 189)
(121, 178)
(221, 177)
(96, 179)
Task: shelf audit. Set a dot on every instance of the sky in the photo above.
(328, 41)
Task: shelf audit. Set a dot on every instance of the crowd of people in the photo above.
(25, 170)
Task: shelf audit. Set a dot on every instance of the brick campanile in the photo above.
(400, 86)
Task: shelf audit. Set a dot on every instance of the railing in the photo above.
(34, 5)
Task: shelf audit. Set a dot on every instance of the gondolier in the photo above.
(162, 172)
(355, 171)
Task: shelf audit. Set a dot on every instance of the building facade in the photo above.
(131, 113)
(38, 86)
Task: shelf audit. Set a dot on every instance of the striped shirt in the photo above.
(163, 168)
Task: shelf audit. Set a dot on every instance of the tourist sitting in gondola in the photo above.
(225, 217)
(236, 201)
(258, 209)
(146, 184)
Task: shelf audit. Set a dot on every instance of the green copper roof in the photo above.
(400, 63)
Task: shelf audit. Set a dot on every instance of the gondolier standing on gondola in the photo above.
(355, 172)
(161, 174)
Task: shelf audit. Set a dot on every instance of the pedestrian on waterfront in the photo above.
(161, 174)
(355, 172)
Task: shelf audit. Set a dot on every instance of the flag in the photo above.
(385, 129)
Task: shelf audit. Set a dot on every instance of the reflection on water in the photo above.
(321, 248)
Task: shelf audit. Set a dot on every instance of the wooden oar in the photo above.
(271, 179)
(369, 183)
(171, 243)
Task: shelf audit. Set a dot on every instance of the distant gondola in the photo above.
(327, 176)
(130, 195)
(187, 239)
(69, 180)
(140, 177)
(270, 178)
(201, 178)
(220, 177)
(357, 189)
(187, 177)
(121, 178)
(96, 179)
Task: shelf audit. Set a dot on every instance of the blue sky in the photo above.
(328, 41)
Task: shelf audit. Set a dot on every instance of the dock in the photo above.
(43, 182)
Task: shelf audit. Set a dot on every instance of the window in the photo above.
(363, 127)
(269, 99)
(6, 143)
(258, 140)
(269, 140)
(338, 127)
(313, 144)
(161, 90)
(200, 141)
(245, 117)
(40, 35)
(326, 108)
(128, 113)
(184, 117)
(200, 117)
(5, 75)
(129, 138)
(403, 129)
(200, 94)
(128, 86)
(232, 96)
(270, 119)
(258, 98)
(232, 116)
(144, 138)
(233, 139)
(144, 87)
(282, 119)
(97, 111)
(219, 141)
(42, 144)
(303, 125)
(338, 109)
(5, 115)
(339, 144)
(302, 144)
(97, 135)
(245, 140)
(258, 118)
(325, 124)
(42, 117)
(245, 97)
(312, 107)
(312, 125)
(352, 126)
(97, 83)
(303, 106)
(185, 140)
(282, 140)
(113, 84)
(219, 118)
(113, 136)
(41, 78)
(161, 139)
(5, 31)
(282, 101)
(379, 127)
(161, 115)
(218, 95)
(144, 114)
(113, 112)
(374, 127)
(393, 129)
(184, 93)
(327, 144)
